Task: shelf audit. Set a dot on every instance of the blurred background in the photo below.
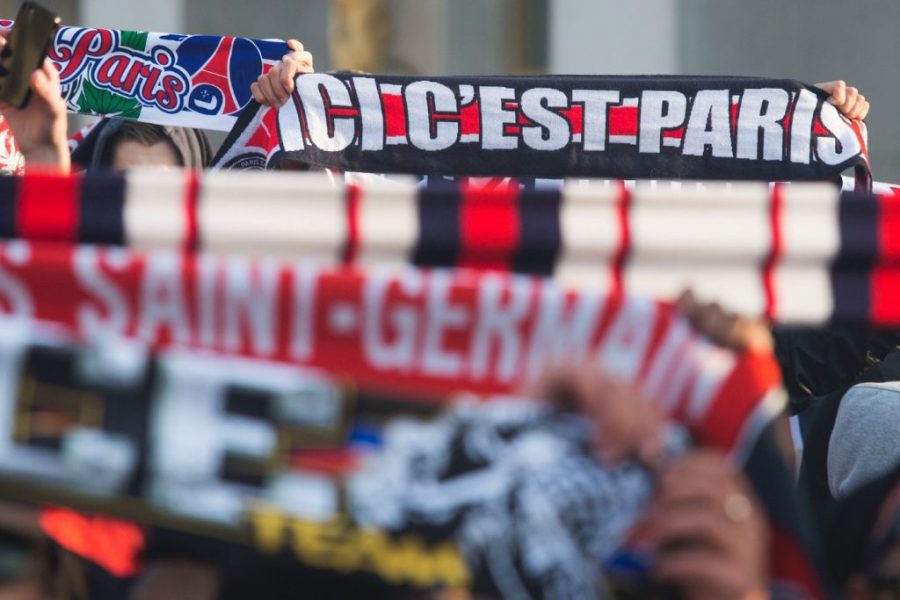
(809, 40)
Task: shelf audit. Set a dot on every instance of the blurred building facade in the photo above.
(810, 40)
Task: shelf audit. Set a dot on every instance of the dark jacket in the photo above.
(816, 362)
(823, 411)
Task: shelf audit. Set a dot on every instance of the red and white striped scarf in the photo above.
(796, 254)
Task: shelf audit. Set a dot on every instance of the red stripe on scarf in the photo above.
(751, 378)
(489, 224)
(885, 282)
(48, 207)
(623, 120)
(470, 119)
(575, 116)
(394, 115)
(789, 564)
(889, 228)
(776, 208)
(819, 128)
(191, 192)
(113, 544)
(856, 126)
(623, 206)
(329, 461)
(661, 326)
(351, 244)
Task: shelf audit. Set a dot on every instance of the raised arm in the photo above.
(847, 99)
(276, 86)
(40, 127)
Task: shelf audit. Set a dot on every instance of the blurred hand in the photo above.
(710, 533)
(175, 579)
(727, 329)
(847, 99)
(275, 87)
(628, 424)
(40, 127)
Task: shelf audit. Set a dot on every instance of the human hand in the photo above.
(40, 127)
(629, 425)
(727, 329)
(275, 87)
(709, 530)
(848, 100)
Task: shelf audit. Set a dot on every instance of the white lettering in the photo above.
(162, 299)
(801, 126)
(536, 105)
(378, 349)
(370, 111)
(659, 110)
(494, 118)
(562, 332)
(752, 118)
(306, 278)
(596, 104)
(441, 316)
(419, 98)
(112, 315)
(711, 108)
(500, 323)
(331, 134)
(251, 295)
(826, 147)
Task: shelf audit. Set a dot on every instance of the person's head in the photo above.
(863, 445)
(123, 144)
(135, 144)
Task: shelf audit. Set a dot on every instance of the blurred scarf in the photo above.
(11, 160)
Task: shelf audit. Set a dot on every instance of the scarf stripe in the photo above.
(102, 211)
(391, 225)
(801, 253)
(9, 191)
(489, 225)
(540, 233)
(775, 251)
(48, 208)
(191, 191)
(857, 220)
(623, 247)
(886, 275)
(439, 237)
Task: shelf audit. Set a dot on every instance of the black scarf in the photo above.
(554, 126)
